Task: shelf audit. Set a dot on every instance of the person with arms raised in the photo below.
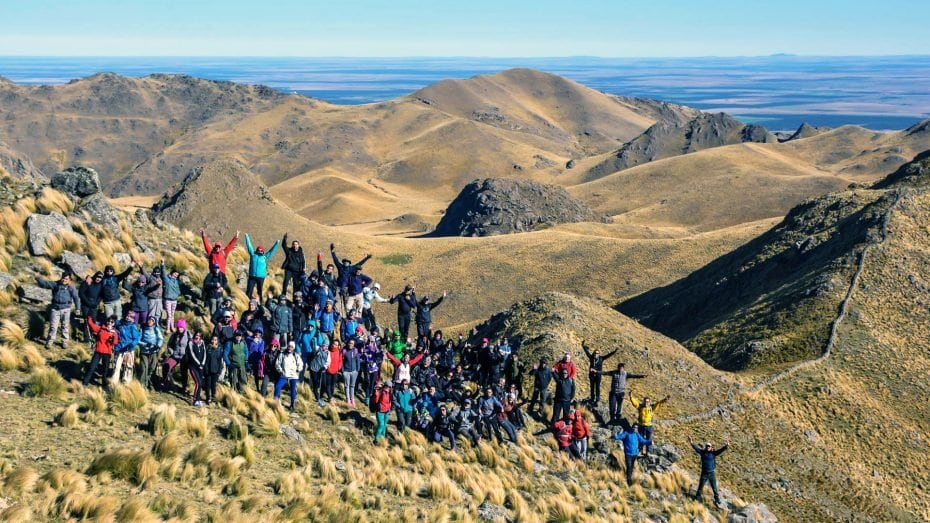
(294, 263)
(59, 310)
(258, 266)
(216, 255)
(708, 456)
(646, 411)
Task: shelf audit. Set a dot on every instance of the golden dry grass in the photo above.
(51, 200)
(163, 419)
(45, 381)
(130, 396)
(9, 359)
(134, 466)
(12, 334)
(68, 417)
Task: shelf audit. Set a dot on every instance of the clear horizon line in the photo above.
(472, 57)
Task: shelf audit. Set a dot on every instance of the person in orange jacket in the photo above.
(105, 338)
(581, 430)
(333, 370)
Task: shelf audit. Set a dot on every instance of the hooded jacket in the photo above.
(109, 285)
(129, 335)
(425, 311)
(89, 293)
(645, 413)
(150, 339)
(335, 360)
(63, 296)
(282, 318)
(105, 339)
(631, 442)
(178, 344)
(258, 263)
(405, 304)
(345, 270)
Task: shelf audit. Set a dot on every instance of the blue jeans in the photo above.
(282, 381)
(647, 433)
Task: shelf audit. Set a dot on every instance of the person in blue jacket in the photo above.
(258, 266)
(708, 456)
(125, 349)
(308, 341)
(631, 439)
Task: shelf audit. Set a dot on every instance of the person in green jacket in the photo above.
(235, 357)
(397, 346)
(258, 266)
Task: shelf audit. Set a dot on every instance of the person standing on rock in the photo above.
(542, 377)
(213, 287)
(567, 364)
(156, 293)
(171, 291)
(258, 266)
(109, 290)
(708, 456)
(89, 294)
(632, 440)
(425, 309)
(217, 254)
(406, 303)
(64, 296)
(370, 296)
(646, 410)
(618, 380)
(595, 366)
(564, 394)
(346, 269)
(294, 264)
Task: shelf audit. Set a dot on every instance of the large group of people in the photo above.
(325, 334)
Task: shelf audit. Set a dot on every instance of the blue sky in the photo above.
(618, 28)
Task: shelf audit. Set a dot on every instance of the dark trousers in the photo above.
(615, 404)
(403, 325)
(316, 383)
(404, 419)
(447, 433)
(559, 410)
(373, 378)
(541, 394)
(595, 381)
(95, 361)
(368, 318)
(252, 284)
(630, 463)
(709, 476)
(491, 427)
(237, 377)
(198, 381)
(647, 433)
(423, 329)
(210, 381)
(87, 312)
(288, 276)
(329, 385)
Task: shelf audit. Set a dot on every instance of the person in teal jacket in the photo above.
(258, 266)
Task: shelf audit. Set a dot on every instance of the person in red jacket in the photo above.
(563, 434)
(333, 370)
(105, 338)
(381, 404)
(217, 254)
(566, 363)
(581, 431)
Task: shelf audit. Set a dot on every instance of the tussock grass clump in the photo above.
(225, 468)
(52, 200)
(246, 449)
(163, 419)
(18, 512)
(332, 414)
(236, 430)
(13, 228)
(135, 466)
(268, 425)
(131, 396)
(237, 488)
(228, 397)
(194, 426)
(46, 382)
(31, 358)
(168, 446)
(440, 486)
(20, 481)
(137, 511)
(9, 360)
(200, 454)
(12, 334)
(489, 456)
(88, 505)
(94, 400)
(323, 467)
(68, 417)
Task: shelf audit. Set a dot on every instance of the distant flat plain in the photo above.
(779, 91)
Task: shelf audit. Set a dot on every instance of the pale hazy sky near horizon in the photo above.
(501, 28)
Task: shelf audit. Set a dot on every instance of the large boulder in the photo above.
(492, 206)
(41, 226)
(77, 181)
(78, 264)
(753, 513)
(100, 211)
(6, 279)
(34, 294)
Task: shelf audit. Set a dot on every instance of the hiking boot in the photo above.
(198, 403)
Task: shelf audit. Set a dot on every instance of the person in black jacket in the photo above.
(212, 367)
(708, 468)
(564, 394)
(542, 376)
(294, 263)
(196, 361)
(425, 314)
(595, 366)
(89, 294)
(346, 269)
(406, 302)
(109, 290)
(442, 427)
(213, 287)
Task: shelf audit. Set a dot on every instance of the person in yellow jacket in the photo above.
(646, 410)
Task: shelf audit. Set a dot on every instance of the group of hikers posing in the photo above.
(325, 334)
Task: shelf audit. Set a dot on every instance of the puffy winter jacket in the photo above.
(328, 320)
(129, 335)
(150, 340)
(109, 286)
(106, 339)
(335, 360)
(631, 442)
(645, 413)
(63, 296)
(319, 359)
(178, 345)
(564, 389)
(403, 399)
(357, 282)
(214, 285)
(282, 317)
(351, 360)
(258, 263)
(580, 427)
(139, 298)
(289, 365)
(382, 399)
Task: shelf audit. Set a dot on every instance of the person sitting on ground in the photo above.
(106, 338)
(632, 440)
(290, 367)
(442, 427)
(64, 296)
(217, 255)
(708, 456)
(646, 410)
(563, 435)
(258, 266)
(466, 421)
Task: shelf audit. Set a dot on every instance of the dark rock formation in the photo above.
(502, 206)
(18, 165)
(77, 181)
(806, 131)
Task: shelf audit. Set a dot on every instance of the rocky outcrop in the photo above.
(18, 165)
(494, 206)
(666, 139)
(806, 130)
(41, 226)
(100, 211)
(77, 264)
(77, 181)
(752, 513)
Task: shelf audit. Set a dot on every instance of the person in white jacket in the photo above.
(289, 365)
(370, 296)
